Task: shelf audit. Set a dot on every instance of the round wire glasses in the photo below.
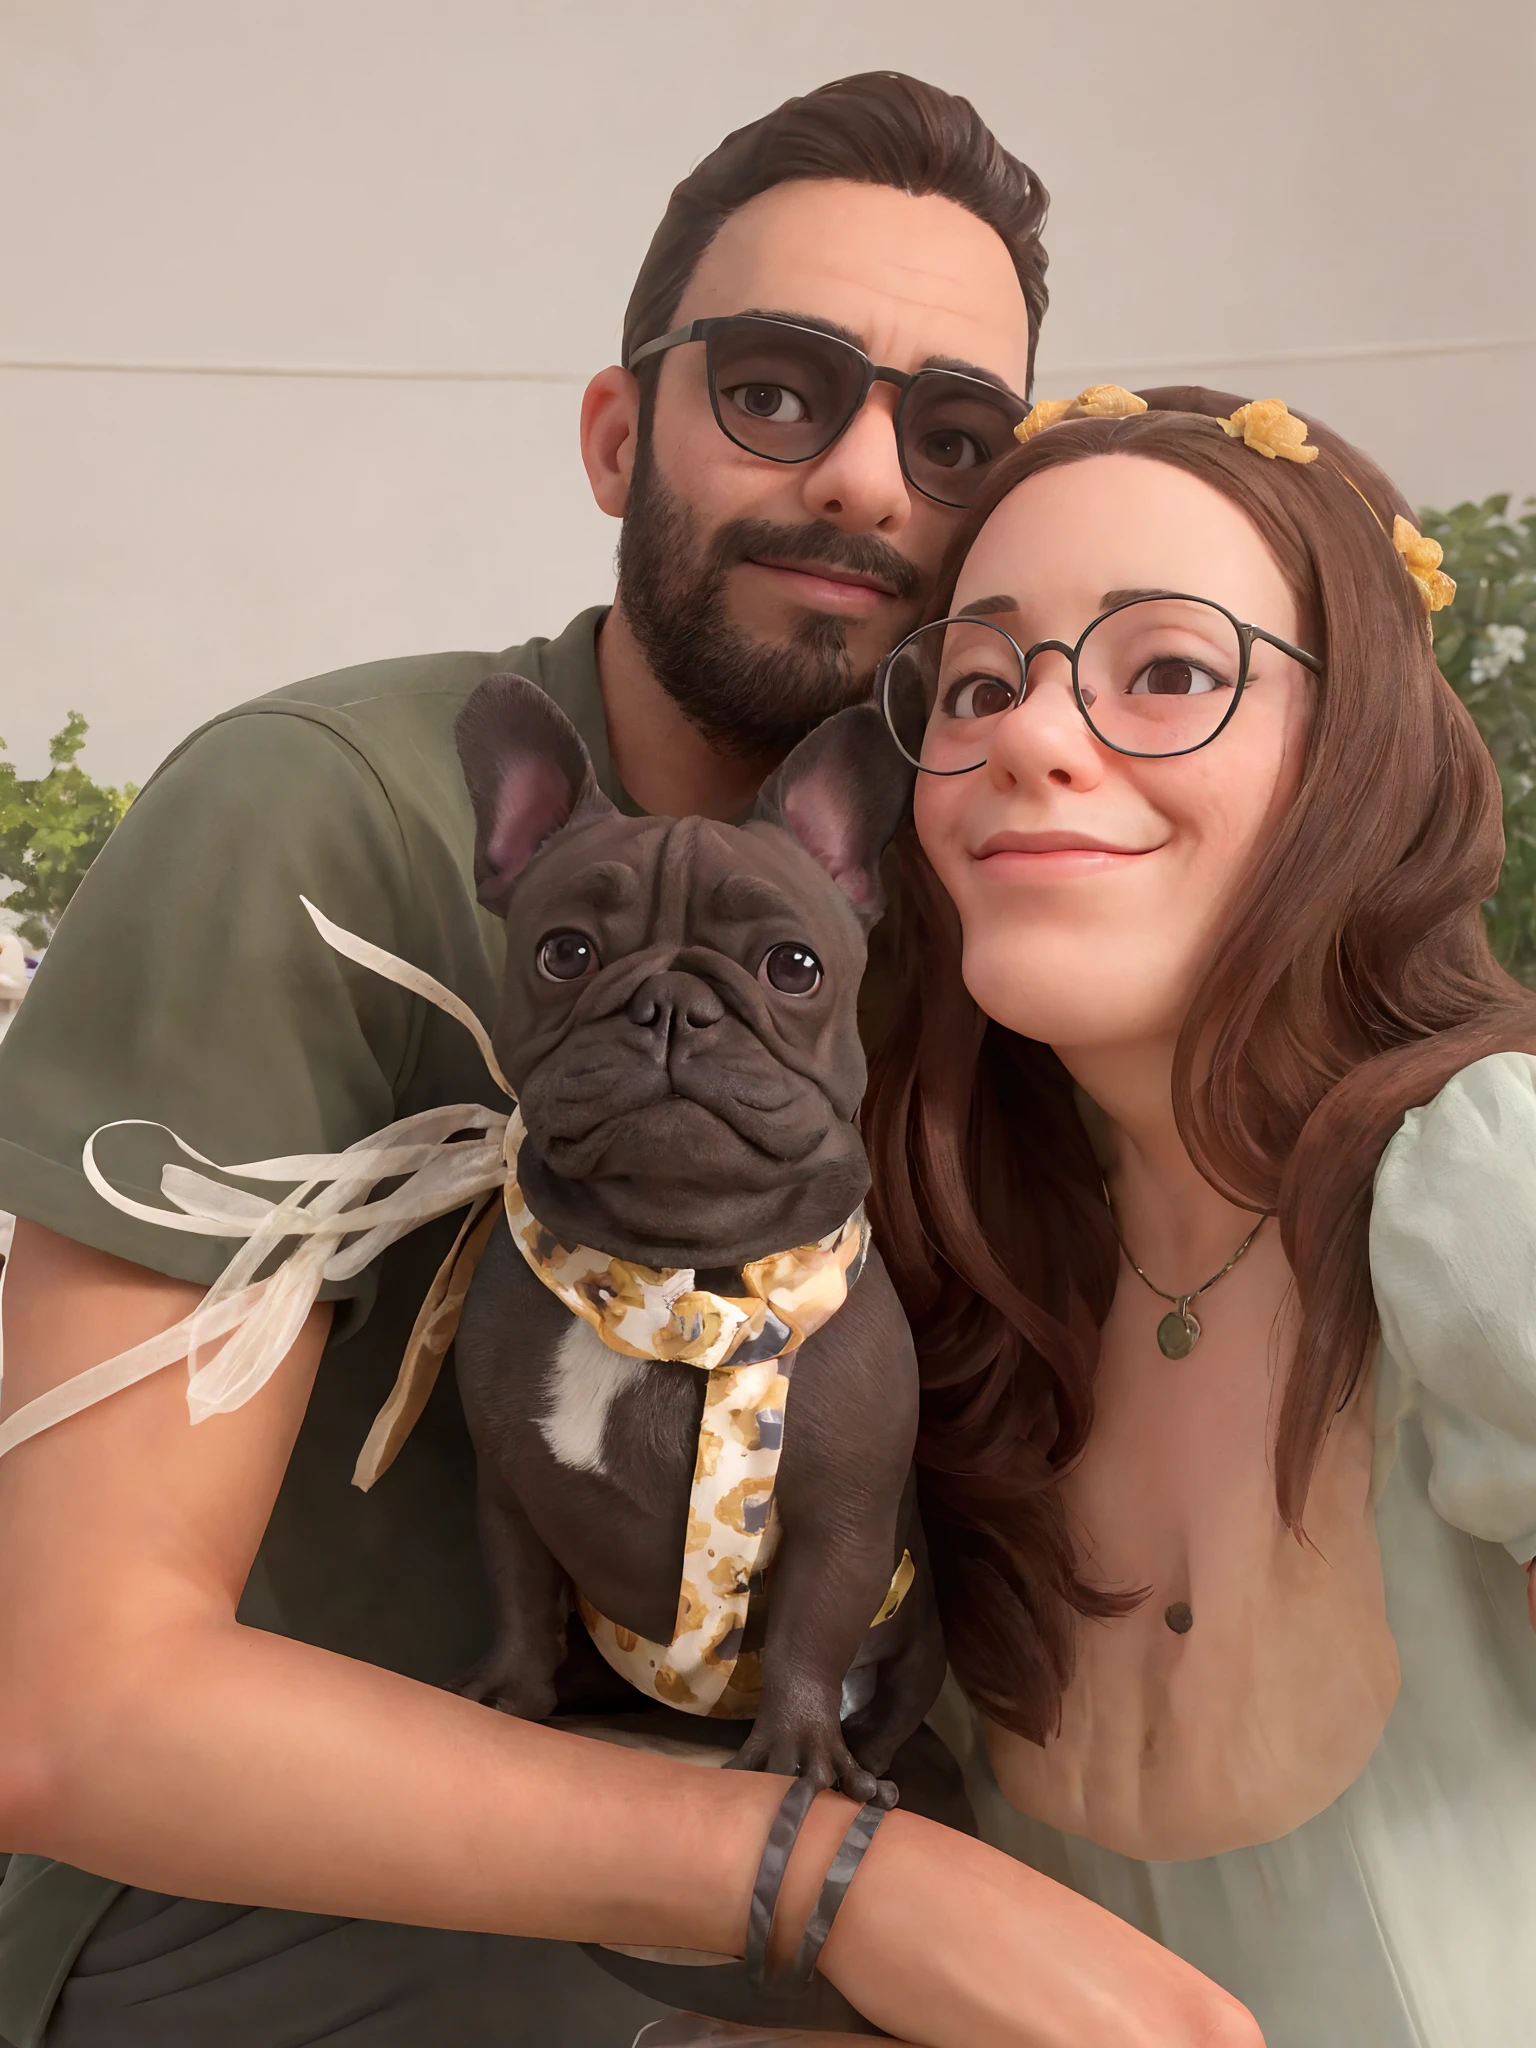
(1154, 675)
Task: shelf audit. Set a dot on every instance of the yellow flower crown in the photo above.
(1422, 558)
(1098, 402)
(1270, 429)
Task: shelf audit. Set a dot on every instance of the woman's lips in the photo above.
(1053, 853)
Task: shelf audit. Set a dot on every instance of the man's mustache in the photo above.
(861, 554)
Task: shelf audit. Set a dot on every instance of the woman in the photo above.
(1206, 1145)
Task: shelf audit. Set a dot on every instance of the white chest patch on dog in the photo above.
(585, 1380)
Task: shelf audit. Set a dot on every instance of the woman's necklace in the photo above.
(1179, 1332)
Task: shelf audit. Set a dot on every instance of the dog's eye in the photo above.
(567, 956)
(792, 969)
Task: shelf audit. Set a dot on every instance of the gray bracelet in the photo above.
(845, 1863)
(787, 1823)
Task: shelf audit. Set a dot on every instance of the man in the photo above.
(784, 517)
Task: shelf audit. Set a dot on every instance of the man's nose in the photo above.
(858, 484)
(673, 1004)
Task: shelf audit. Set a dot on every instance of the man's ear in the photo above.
(842, 793)
(528, 775)
(610, 422)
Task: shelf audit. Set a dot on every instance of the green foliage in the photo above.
(1486, 646)
(51, 829)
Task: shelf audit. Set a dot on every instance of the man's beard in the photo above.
(751, 701)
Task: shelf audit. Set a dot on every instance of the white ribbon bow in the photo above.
(341, 1230)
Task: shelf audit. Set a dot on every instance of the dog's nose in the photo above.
(668, 1003)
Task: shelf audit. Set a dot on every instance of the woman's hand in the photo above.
(946, 1942)
(692, 2030)
(949, 1944)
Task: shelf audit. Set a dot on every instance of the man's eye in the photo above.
(954, 450)
(1175, 676)
(978, 697)
(773, 402)
(567, 956)
(792, 968)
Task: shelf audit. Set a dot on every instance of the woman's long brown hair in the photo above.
(1352, 980)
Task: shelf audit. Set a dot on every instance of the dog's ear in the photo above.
(842, 793)
(528, 774)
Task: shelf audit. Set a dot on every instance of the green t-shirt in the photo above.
(187, 986)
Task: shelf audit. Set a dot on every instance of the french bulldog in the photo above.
(678, 1020)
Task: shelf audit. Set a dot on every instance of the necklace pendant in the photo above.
(1178, 1333)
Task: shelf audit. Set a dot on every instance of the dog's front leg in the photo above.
(530, 1601)
(829, 1577)
(849, 1428)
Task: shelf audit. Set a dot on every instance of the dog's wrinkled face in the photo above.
(679, 1009)
(678, 1021)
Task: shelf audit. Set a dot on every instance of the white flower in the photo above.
(1503, 646)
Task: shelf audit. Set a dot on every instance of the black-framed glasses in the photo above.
(786, 392)
(1155, 675)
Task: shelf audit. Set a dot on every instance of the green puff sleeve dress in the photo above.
(1404, 1914)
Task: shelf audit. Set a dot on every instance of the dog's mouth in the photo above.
(741, 1135)
(675, 1180)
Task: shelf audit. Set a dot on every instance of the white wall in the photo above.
(299, 295)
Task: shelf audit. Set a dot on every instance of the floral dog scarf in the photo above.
(746, 1342)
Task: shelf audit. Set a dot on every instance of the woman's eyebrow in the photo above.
(984, 607)
(1113, 597)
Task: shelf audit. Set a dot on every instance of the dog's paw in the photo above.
(813, 1749)
(496, 1682)
(871, 1750)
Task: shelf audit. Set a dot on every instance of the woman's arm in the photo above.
(1453, 1222)
(146, 1735)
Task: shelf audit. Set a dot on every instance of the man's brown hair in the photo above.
(879, 128)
